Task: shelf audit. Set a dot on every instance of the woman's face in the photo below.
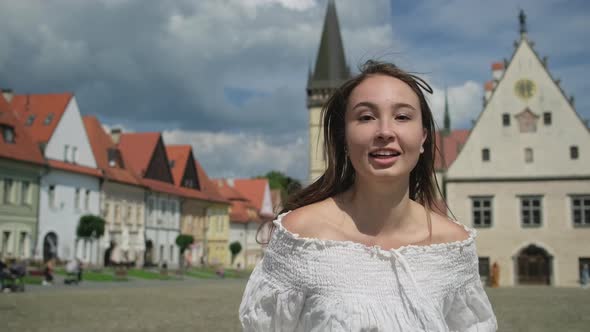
(383, 125)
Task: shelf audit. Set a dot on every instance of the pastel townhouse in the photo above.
(71, 186)
(122, 203)
(21, 168)
(202, 204)
(145, 155)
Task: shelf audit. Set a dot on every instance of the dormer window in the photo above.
(528, 155)
(66, 152)
(547, 118)
(48, 119)
(574, 152)
(506, 120)
(172, 163)
(30, 120)
(7, 133)
(485, 154)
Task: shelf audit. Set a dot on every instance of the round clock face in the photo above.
(525, 88)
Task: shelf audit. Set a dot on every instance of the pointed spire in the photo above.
(330, 67)
(447, 119)
(522, 21)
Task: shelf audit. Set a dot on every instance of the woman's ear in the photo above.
(424, 135)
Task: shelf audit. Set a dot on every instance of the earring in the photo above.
(421, 149)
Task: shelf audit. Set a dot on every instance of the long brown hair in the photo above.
(339, 174)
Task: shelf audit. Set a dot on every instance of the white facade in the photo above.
(162, 226)
(245, 234)
(518, 180)
(66, 196)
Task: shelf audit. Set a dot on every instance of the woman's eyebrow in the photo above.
(374, 106)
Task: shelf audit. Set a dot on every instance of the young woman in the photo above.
(360, 248)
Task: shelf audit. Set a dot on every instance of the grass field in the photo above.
(212, 305)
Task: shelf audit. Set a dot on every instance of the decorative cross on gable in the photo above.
(527, 121)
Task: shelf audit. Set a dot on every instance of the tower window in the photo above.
(574, 152)
(547, 118)
(528, 155)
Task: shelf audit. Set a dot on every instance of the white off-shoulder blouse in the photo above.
(305, 284)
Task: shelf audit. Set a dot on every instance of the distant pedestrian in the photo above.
(495, 275)
(48, 272)
(585, 275)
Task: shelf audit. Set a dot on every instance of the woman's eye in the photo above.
(365, 117)
(402, 117)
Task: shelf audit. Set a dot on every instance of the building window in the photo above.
(547, 118)
(138, 214)
(52, 196)
(5, 240)
(8, 134)
(22, 245)
(584, 267)
(26, 193)
(574, 152)
(485, 154)
(117, 209)
(161, 253)
(531, 211)
(581, 210)
(30, 120)
(8, 191)
(171, 253)
(48, 119)
(77, 199)
(528, 155)
(484, 267)
(482, 211)
(74, 154)
(66, 150)
(87, 200)
(506, 120)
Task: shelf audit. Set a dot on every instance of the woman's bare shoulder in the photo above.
(444, 230)
(309, 221)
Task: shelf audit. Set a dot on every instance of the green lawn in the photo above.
(33, 280)
(150, 275)
(106, 275)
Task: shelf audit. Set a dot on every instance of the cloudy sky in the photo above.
(229, 76)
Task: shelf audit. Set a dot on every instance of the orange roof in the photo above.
(228, 191)
(179, 155)
(163, 187)
(239, 213)
(489, 86)
(137, 150)
(252, 189)
(498, 65)
(452, 145)
(69, 167)
(23, 148)
(101, 142)
(41, 106)
(208, 186)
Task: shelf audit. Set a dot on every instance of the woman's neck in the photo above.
(379, 207)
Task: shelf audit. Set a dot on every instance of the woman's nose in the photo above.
(385, 132)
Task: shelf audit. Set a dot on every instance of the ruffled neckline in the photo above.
(376, 249)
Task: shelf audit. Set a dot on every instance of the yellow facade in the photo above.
(218, 236)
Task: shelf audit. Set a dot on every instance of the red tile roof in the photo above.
(239, 204)
(69, 167)
(137, 150)
(23, 148)
(179, 155)
(252, 189)
(101, 142)
(452, 145)
(498, 65)
(41, 106)
(208, 186)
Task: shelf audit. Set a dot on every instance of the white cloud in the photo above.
(243, 155)
(465, 104)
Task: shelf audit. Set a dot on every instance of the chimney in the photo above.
(489, 87)
(116, 135)
(7, 94)
(497, 70)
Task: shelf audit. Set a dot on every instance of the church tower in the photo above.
(329, 72)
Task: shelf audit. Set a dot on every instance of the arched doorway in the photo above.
(49, 246)
(534, 266)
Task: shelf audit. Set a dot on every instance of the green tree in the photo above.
(278, 180)
(235, 248)
(183, 241)
(90, 228)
